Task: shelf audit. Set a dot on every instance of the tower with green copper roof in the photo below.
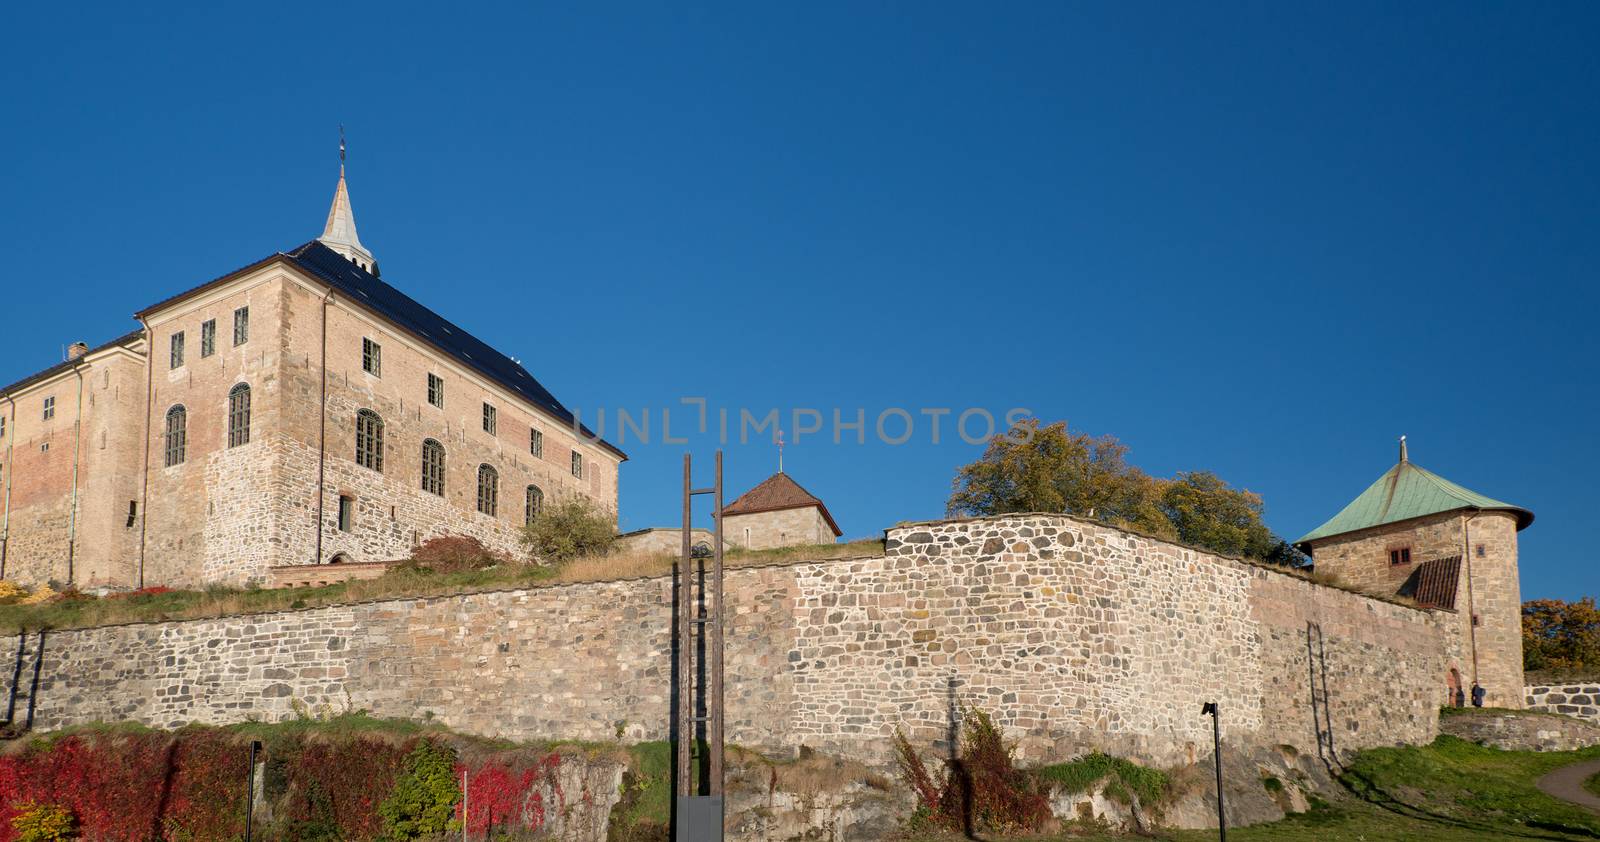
(1416, 535)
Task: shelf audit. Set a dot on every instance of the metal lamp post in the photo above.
(1216, 745)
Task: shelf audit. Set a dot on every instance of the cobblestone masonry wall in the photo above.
(1580, 700)
(1076, 636)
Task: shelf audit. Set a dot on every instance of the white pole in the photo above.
(463, 802)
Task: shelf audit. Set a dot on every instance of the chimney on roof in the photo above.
(76, 350)
(1403, 449)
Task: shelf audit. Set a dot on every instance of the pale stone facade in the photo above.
(781, 528)
(1076, 636)
(1486, 645)
(91, 499)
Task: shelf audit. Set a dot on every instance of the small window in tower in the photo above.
(489, 419)
(241, 326)
(2, 426)
(371, 357)
(133, 512)
(1481, 551)
(177, 350)
(208, 338)
(1477, 620)
(49, 408)
(1400, 555)
(347, 513)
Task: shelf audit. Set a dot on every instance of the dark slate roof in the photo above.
(66, 365)
(776, 493)
(1433, 584)
(327, 265)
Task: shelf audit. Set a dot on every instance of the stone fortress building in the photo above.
(1417, 535)
(297, 411)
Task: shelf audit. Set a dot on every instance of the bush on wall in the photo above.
(424, 799)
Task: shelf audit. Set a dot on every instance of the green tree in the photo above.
(1048, 468)
(568, 529)
(423, 801)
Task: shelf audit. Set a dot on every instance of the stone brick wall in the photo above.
(1075, 635)
(1579, 700)
(1521, 730)
(782, 528)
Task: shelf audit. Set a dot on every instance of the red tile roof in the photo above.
(1433, 584)
(776, 493)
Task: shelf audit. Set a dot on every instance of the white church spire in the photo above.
(340, 232)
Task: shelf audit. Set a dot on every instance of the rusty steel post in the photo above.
(714, 708)
(686, 731)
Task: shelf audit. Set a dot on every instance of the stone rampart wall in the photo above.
(1074, 635)
(1580, 700)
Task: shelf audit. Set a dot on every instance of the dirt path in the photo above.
(1566, 784)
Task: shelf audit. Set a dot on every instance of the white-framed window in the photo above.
(49, 407)
(177, 435)
(488, 490)
(433, 467)
(436, 390)
(371, 357)
(369, 440)
(239, 415)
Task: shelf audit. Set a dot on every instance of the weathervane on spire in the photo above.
(780, 450)
(1402, 448)
(341, 146)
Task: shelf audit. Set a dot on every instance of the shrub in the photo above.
(454, 554)
(424, 799)
(40, 595)
(980, 789)
(1149, 785)
(44, 823)
(11, 592)
(568, 529)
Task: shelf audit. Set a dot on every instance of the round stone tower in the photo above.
(1414, 534)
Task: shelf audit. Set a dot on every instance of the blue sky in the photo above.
(1247, 238)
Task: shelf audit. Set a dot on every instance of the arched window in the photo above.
(239, 415)
(488, 490)
(534, 503)
(177, 434)
(369, 440)
(432, 467)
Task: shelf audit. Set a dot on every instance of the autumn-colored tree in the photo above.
(1048, 468)
(1561, 637)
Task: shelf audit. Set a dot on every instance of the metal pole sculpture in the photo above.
(698, 817)
(250, 790)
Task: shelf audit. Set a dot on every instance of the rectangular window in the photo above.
(241, 326)
(2, 426)
(133, 512)
(208, 338)
(577, 464)
(436, 390)
(371, 357)
(536, 443)
(177, 350)
(1400, 555)
(347, 513)
(488, 419)
(49, 408)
